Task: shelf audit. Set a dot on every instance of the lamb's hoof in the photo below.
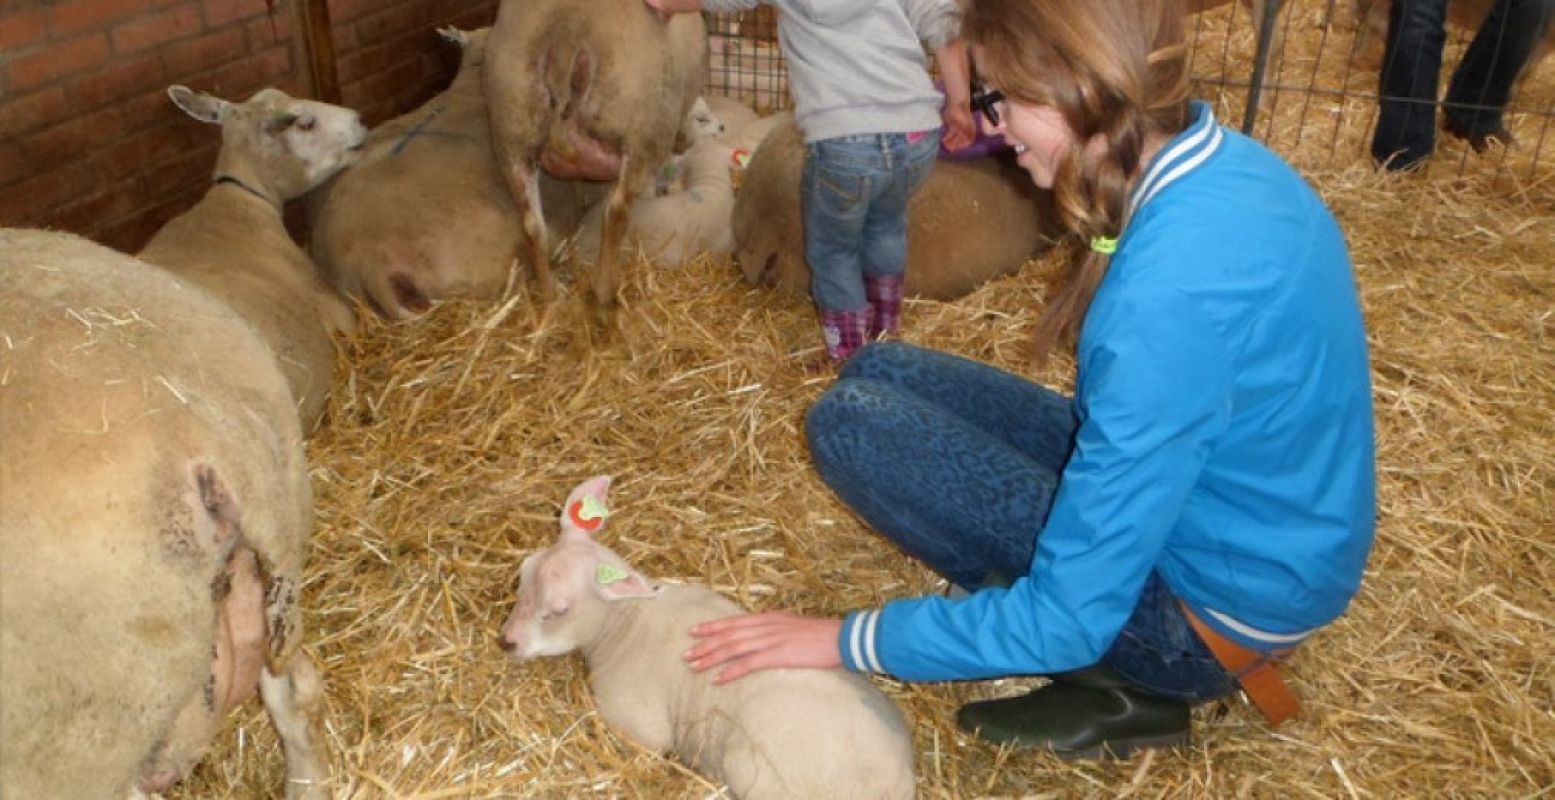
(601, 323)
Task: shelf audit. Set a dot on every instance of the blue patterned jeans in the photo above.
(957, 462)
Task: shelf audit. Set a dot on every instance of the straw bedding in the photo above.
(452, 440)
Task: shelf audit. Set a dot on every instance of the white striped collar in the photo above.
(1180, 156)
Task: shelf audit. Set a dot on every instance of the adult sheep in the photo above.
(154, 512)
(234, 244)
(426, 215)
(588, 89)
(970, 222)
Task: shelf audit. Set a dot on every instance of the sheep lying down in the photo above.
(970, 222)
(694, 218)
(810, 734)
(154, 511)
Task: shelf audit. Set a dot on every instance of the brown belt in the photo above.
(1257, 672)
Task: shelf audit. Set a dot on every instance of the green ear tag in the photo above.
(607, 574)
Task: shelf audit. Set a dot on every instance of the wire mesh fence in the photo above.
(1311, 91)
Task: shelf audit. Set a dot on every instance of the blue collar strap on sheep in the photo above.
(220, 179)
(415, 130)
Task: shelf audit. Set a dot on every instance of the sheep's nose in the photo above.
(507, 644)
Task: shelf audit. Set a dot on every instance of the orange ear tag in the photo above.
(588, 514)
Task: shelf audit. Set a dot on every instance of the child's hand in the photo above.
(959, 128)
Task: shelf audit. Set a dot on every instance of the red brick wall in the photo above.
(388, 56)
(89, 141)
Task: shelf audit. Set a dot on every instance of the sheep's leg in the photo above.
(518, 165)
(295, 700)
(526, 191)
(607, 270)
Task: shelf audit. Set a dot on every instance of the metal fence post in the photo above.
(1271, 10)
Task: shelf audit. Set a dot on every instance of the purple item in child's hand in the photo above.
(982, 146)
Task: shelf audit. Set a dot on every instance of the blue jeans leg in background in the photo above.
(1482, 83)
(1411, 64)
(957, 463)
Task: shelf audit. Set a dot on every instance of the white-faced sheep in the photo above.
(588, 89)
(970, 222)
(733, 114)
(426, 215)
(234, 244)
(810, 734)
(154, 512)
(700, 123)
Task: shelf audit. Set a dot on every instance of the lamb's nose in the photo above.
(508, 645)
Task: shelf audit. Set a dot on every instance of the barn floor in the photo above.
(453, 439)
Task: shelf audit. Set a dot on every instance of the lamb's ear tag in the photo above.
(740, 159)
(588, 513)
(607, 574)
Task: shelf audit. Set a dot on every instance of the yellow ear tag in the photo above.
(1106, 245)
(607, 574)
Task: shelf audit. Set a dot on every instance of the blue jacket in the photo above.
(1224, 440)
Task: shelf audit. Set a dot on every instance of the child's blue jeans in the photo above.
(957, 463)
(855, 191)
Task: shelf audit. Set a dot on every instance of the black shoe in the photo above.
(1481, 142)
(1078, 721)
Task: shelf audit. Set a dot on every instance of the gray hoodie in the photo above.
(858, 66)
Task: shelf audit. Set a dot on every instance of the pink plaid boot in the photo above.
(843, 332)
(885, 301)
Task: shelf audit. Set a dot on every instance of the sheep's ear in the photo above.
(585, 510)
(452, 34)
(620, 582)
(199, 105)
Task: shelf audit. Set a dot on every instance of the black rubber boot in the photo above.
(1091, 713)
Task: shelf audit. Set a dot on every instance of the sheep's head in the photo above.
(701, 123)
(472, 45)
(286, 144)
(565, 590)
(766, 222)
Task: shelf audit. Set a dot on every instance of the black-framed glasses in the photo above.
(987, 101)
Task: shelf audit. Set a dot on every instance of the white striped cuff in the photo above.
(858, 641)
(1273, 640)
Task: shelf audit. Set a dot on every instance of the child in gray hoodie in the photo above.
(871, 120)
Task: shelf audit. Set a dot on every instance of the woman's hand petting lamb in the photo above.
(751, 642)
